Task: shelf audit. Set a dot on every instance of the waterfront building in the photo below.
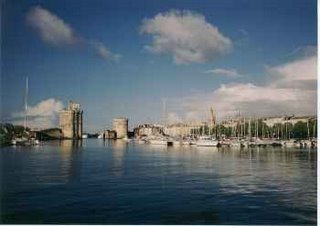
(148, 130)
(183, 129)
(110, 134)
(71, 121)
(120, 126)
(172, 130)
(271, 121)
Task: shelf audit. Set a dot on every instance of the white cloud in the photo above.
(42, 115)
(232, 73)
(51, 28)
(257, 100)
(103, 52)
(301, 73)
(186, 35)
(54, 31)
(281, 95)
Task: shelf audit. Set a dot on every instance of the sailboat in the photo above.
(26, 140)
(206, 141)
(158, 141)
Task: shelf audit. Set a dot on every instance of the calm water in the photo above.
(116, 183)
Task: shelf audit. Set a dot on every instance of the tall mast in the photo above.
(244, 127)
(164, 111)
(308, 129)
(257, 128)
(249, 128)
(26, 103)
(314, 128)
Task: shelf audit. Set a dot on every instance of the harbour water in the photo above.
(97, 182)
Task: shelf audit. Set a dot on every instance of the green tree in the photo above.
(313, 128)
(300, 130)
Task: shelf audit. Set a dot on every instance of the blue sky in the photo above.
(122, 58)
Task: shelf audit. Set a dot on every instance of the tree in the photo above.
(300, 130)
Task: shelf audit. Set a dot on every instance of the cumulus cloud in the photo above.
(232, 73)
(185, 35)
(51, 28)
(54, 31)
(254, 100)
(42, 115)
(298, 74)
(290, 90)
(103, 52)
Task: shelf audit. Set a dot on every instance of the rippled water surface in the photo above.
(119, 183)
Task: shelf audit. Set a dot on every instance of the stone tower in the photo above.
(71, 121)
(120, 125)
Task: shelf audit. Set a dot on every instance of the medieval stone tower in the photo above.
(71, 121)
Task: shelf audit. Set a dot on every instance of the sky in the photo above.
(155, 60)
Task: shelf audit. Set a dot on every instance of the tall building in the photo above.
(71, 121)
(120, 125)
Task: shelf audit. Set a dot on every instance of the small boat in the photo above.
(290, 144)
(185, 142)
(158, 142)
(14, 142)
(176, 142)
(25, 140)
(20, 141)
(141, 141)
(127, 139)
(235, 144)
(192, 142)
(206, 141)
(34, 141)
(306, 143)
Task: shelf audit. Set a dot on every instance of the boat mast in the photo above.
(249, 128)
(308, 129)
(164, 112)
(286, 123)
(210, 125)
(257, 128)
(314, 129)
(262, 129)
(244, 127)
(26, 104)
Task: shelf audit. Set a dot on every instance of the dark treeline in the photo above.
(9, 131)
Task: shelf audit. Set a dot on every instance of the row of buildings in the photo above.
(71, 125)
(186, 129)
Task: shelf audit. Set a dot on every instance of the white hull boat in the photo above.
(176, 143)
(158, 142)
(185, 142)
(207, 142)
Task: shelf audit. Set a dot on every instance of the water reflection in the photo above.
(119, 150)
(119, 180)
(71, 155)
(252, 172)
(57, 163)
